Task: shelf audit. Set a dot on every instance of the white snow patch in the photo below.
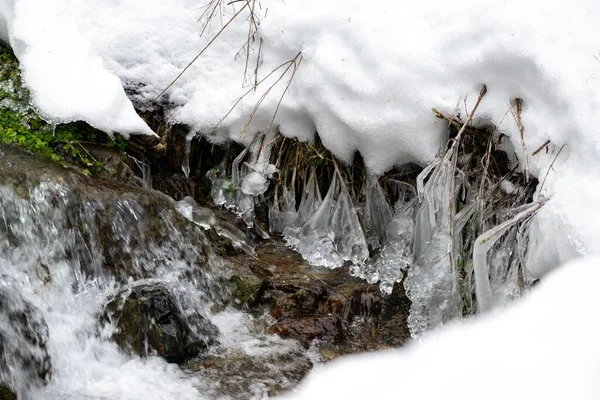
(544, 347)
(67, 78)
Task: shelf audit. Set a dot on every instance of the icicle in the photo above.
(146, 174)
(311, 199)
(185, 166)
(309, 204)
(288, 207)
(396, 255)
(237, 237)
(275, 217)
(316, 244)
(378, 211)
(346, 232)
(245, 208)
(432, 280)
(483, 244)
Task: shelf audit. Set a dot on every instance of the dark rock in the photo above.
(344, 313)
(303, 302)
(115, 164)
(326, 328)
(24, 358)
(7, 394)
(145, 140)
(149, 318)
(241, 376)
(394, 317)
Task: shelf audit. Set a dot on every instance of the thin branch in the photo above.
(550, 167)
(201, 52)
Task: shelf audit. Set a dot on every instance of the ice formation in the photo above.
(205, 218)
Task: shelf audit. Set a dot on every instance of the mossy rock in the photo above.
(148, 319)
(245, 290)
(7, 394)
(21, 124)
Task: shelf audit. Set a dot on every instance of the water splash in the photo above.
(65, 252)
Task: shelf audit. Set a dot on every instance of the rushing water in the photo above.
(68, 246)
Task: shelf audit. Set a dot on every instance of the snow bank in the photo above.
(369, 76)
(67, 78)
(545, 347)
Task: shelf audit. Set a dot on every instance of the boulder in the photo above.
(149, 320)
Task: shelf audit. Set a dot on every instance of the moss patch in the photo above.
(21, 124)
(245, 289)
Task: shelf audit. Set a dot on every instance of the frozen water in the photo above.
(185, 166)
(377, 209)
(255, 184)
(237, 237)
(505, 288)
(432, 280)
(316, 242)
(202, 216)
(346, 231)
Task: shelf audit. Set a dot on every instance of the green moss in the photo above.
(20, 124)
(244, 289)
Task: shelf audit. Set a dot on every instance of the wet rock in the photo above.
(325, 328)
(24, 358)
(394, 314)
(344, 313)
(245, 290)
(302, 302)
(115, 164)
(7, 394)
(148, 319)
(241, 376)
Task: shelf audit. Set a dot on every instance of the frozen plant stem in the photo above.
(516, 112)
(451, 156)
(485, 241)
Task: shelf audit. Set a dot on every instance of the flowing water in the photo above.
(67, 245)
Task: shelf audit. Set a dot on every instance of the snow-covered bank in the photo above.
(64, 72)
(544, 347)
(369, 76)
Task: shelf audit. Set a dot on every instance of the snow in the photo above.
(545, 347)
(66, 76)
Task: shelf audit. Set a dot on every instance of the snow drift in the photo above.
(544, 347)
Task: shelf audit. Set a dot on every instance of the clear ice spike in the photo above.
(378, 211)
(185, 166)
(347, 233)
(315, 243)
